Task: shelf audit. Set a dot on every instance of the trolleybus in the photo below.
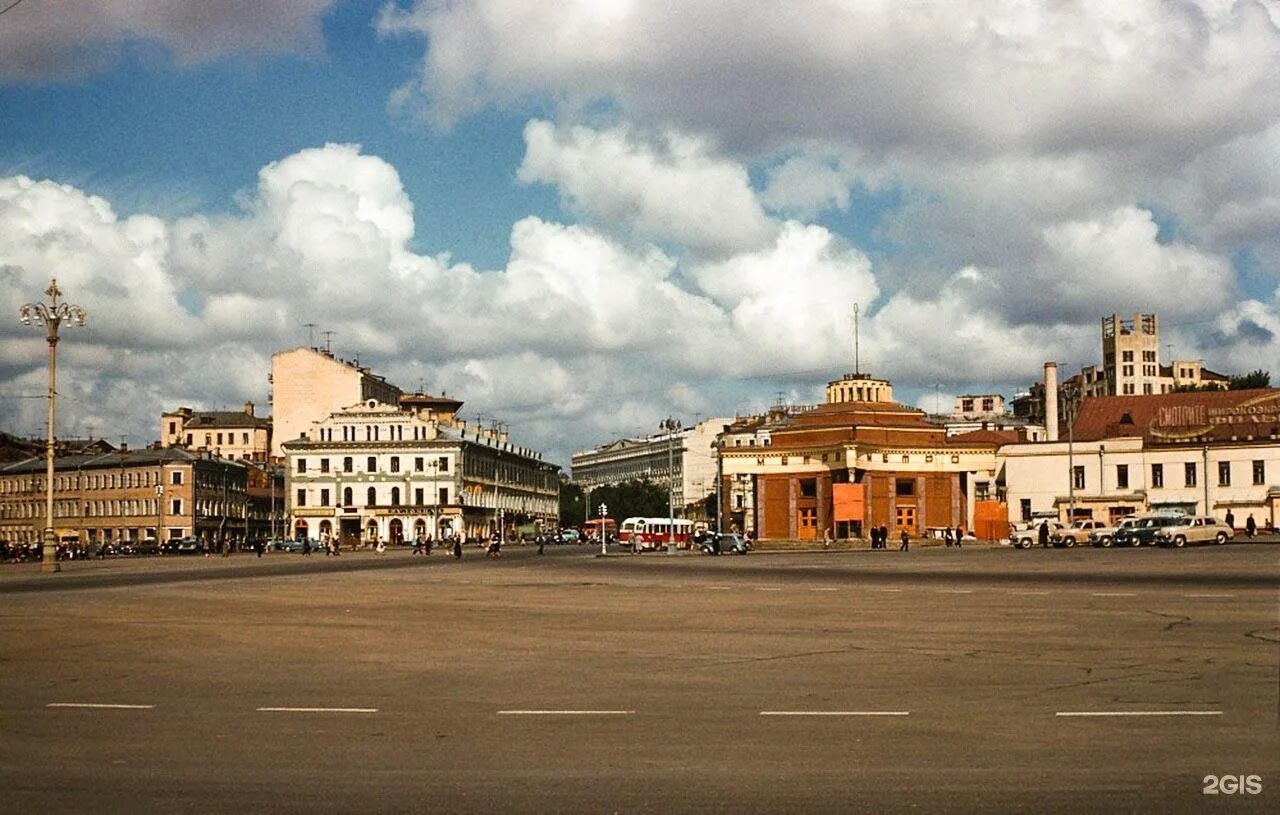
(654, 533)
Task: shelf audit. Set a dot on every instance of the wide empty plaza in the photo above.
(980, 679)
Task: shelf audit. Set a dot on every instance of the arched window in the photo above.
(346, 496)
(373, 497)
(395, 496)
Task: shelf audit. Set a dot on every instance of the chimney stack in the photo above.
(248, 408)
(1051, 400)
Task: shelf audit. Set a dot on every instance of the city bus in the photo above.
(654, 533)
(591, 528)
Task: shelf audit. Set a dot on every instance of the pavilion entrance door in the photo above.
(906, 518)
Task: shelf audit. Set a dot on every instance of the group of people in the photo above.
(1250, 525)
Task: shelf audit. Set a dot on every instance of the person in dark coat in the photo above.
(1250, 526)
(946, 537)
(884, 536)
(1231, 521)
(457, 547)
(905, 546)
(1044, 533)
(959, 534)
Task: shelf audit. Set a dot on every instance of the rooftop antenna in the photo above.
(328, 336)
(856, 368)
(1168, 347)
(311, 334)
(937, 399)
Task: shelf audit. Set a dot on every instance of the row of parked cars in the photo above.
(1165, 529)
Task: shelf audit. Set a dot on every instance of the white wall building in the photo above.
(1206, 453)
(374, 471)
(684, 461)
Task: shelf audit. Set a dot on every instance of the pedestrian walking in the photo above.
(827, 537)
(1044, 533)
(542, 541)
(906, 542)
(946, 537)
(380, 547)
(430, 543)
(1250, 526)
(884, 536)
(306, 547)
(417, 545)
(1231, 521)
(258, 547)
(959, 535)
(457, 547)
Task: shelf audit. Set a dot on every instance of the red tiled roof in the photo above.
(1181, 417)
(993, 437)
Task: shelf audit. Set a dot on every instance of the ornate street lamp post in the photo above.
(671, 426)
(51, 315)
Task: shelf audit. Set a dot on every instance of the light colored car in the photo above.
(1027, 534)
(1078, 532)
(1194, 529)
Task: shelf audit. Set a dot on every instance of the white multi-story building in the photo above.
(683, 461)
(1201, 452)
(379, 472)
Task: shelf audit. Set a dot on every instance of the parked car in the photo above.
(1105, 536)
(724, 543)
(188, 545)
(569, 536)
(1027, 534)
(1194, 529)
(294, 545)
(1142, 532)
(1078, 532)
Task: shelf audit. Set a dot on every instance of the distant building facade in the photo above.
(683, 461)
(395, 472)
(126, 496)
(1200, 452)
(233, 434)
(859, 461)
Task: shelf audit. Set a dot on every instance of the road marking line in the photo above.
(955, 591)
(769, 588)
(1139, 713)
(317, 710)
(566, 712)
(888, 589)
(835, 713)
(1114, 594)
(824, 590)
(1031, 593)
(717, 588)
(94, 706)
(1216, 596)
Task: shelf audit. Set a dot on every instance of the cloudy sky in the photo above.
(583, 216)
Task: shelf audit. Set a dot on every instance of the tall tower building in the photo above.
(1131, 355)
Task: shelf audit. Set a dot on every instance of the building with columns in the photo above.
(860, 460)
(374, 471)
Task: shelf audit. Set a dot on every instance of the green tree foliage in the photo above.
(1253, 379)
(633, 498)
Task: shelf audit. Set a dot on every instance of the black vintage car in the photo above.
(724, 543)
(1143, 532)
